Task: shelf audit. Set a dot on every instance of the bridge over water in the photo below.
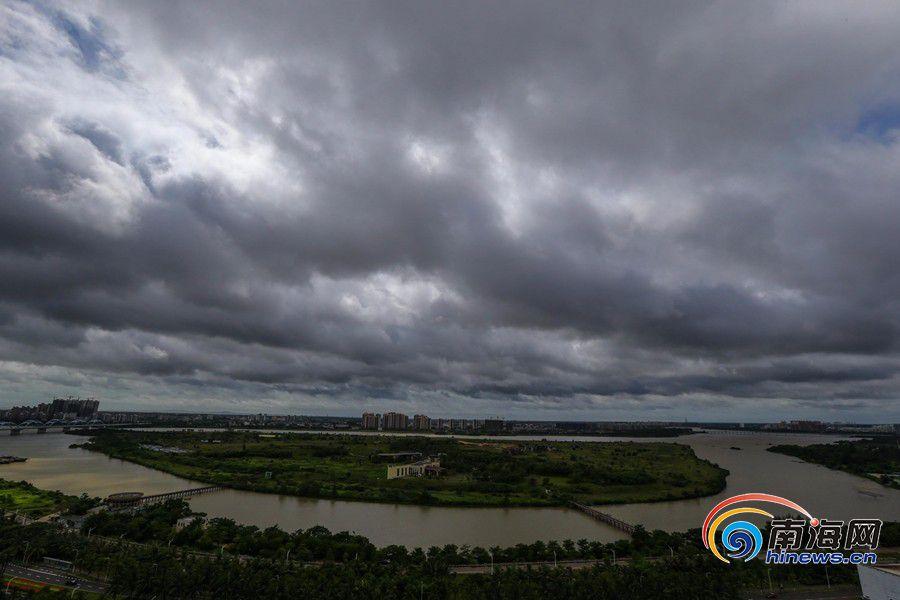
(605, 518)
(137, 499)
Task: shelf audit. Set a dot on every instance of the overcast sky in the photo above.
(467, 208)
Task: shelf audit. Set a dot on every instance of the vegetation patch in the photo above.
(474, 473)
(24, 498)
(877, 459)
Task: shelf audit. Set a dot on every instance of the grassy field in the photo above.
(476, 473)
(22, 497)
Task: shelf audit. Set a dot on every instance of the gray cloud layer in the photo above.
(530, 209)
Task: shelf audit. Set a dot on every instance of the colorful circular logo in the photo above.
(742, 539)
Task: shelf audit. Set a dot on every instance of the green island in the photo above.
(25, 499)
(472, 472)
(877, 458)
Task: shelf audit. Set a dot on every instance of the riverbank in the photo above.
(54, 465)
(877, 459)
(25, 499)
(148, 552)
(559, 429)
(484, 473)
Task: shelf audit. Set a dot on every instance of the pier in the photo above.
(138, 499)
(604, 518)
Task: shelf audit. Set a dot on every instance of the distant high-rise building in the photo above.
(421, 423)
(370, 421)
(61, 408)
(395, 421)
(72, 408)
(492, 425)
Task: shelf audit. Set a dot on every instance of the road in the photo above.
(48, 576)
(482, 569)
(835, 592)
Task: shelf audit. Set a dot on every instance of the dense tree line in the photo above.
(877, 458)
(165, 572)
(246, 562)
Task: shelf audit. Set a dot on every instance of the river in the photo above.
(824, 492)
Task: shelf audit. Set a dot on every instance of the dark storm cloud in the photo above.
(444, 205)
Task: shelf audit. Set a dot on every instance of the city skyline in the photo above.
(73, 407)
(608, 212)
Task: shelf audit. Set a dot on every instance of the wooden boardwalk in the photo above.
(153, 499)
(136, 499)
(604, 518)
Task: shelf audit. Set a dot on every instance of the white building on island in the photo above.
(421, 468)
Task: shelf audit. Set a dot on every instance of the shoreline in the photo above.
(712, 489)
